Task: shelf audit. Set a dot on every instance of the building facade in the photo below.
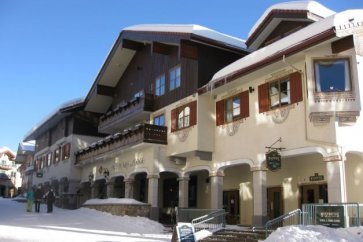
(10, 179)
(197, 119)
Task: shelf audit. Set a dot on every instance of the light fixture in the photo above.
(251, 89)
(106, 173)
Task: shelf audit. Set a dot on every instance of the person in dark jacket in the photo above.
(38, 199)
(50, 198)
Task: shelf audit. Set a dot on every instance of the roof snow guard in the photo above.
(338, 25)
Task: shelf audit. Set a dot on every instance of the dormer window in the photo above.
(332, 75)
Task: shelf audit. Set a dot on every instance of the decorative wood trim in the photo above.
(296, 94)
(220, 112)
(132, 45)
(161, 48)
(105, 90)
(263, 102)
(342, 44)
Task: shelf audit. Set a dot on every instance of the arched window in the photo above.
(184, 117)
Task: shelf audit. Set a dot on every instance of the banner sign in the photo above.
(185, 232)
(330, 216)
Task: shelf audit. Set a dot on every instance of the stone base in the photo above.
(134, 210)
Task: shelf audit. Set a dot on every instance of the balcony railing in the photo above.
(134, 111)
(142, 133)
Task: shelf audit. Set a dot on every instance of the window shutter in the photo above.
(220, 112)
(263, 103)
(296, 87)
(244, 104)
(193, 113)
(174, 120)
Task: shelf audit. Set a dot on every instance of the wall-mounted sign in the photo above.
(330, 216)
(39, 174)
(316, 177)
(185, 232)
(273, 160)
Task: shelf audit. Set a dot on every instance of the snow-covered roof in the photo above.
(8, 151)
(311, 6)
(65, 105)
(191, 29)
(340, 21)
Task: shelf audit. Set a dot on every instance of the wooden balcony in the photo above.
(143, 133)
(134, 111)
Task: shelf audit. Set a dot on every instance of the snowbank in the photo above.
(97, 201)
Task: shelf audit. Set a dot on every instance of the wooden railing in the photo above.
(141, 133)
(118, 115)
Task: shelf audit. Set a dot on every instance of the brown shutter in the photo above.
(193, 113)
(220, 112)
(295, 87)
(263, 103)
(244, 104)
(174, 120)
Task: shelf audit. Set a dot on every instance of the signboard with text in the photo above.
(330, 216)
(185, 232)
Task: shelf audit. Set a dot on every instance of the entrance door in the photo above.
(314, 193)
(231, 205)
(274, 202)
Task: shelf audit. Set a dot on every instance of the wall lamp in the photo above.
(106, 173)
(251, 89)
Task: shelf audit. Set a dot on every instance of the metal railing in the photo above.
(291, 218)
(210, 219)
(352, 213)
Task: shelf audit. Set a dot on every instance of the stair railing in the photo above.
(212, 222)
(292, 218)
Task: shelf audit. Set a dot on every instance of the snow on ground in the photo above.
(316, 234)
(74, 225)
(96, 201)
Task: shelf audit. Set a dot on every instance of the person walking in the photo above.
(38, 199)
(50, 197)
(29, 199)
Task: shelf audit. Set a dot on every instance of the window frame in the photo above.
(192, 116)
(174, 80)
(348, 68)
(158, 118)
(183, 117)
(66, 151)
(288, 89)
(159, 90)
(232, 109)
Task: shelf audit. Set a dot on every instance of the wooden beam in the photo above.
(161, 48)
(343, 44)
(132, 45)
(105, 90)
(189, 51)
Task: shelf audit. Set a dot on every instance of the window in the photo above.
(287, 90)
(49, 159)
(160, 85)
(139, 94)
(184, 116)
(279, 93)
(332, 75)
(56, 156)
(159, 120)
(66, 151)
(174, 78)
(232, 108)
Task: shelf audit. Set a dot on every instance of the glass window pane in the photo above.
(285, 92)
(332, 75)
(274, 94)
(162, 120)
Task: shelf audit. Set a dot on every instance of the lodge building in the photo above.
(186, 116)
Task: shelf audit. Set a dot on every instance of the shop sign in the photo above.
(316, 177)
(185, 232)
(273, 159)
(330, 216)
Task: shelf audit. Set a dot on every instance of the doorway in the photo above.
(275, 206)
(231, 205)
(314, 193)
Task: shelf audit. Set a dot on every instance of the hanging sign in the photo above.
(273, 160)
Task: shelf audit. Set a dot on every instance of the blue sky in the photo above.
(51, 51)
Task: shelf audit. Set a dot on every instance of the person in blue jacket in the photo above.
(30, 199)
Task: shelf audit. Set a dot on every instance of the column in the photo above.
(216, 182)
(336, 181)
(153, 193)
(129, 188)
(259, 196)
(110, 187)
(183, 192)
